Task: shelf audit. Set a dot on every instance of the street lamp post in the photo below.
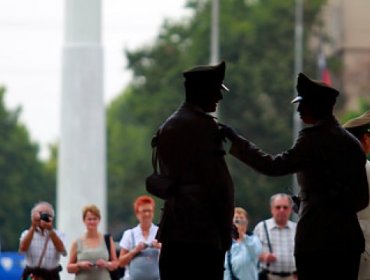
(298, 66)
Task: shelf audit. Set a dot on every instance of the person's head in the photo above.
(91, 216)
(360, 128)
(316, 99)
(144, 207)
(42, 209)
(241, 219)
(281, 208)
(203, 85)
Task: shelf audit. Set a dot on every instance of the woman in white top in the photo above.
(139, 248)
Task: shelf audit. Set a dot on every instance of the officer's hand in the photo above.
(228, 132)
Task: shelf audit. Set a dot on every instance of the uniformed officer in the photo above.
(195, 229)
(330, 167)
(360, 128)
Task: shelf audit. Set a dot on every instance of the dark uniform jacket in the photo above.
(201, 207)
(330, 167)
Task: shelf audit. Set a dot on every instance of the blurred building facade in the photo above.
(347, 24)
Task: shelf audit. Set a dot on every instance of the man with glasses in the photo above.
(280, 262)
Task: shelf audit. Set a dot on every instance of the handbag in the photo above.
(263, 274)
(118, 272)
(144, 266)
(158, 184)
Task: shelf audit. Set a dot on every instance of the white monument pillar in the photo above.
(81, 162)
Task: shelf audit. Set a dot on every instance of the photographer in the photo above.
(241, 260)
(42, 245)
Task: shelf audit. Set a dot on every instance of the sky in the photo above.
(31, 34)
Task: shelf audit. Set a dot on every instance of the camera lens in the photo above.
(45, 217)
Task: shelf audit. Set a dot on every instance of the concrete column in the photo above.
(82, 156)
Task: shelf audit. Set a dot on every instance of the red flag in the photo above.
(323, 69)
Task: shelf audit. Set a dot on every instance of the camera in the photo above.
(239, 222)
(146, 245)
(235, 232)
(45, 217)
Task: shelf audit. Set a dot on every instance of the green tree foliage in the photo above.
(23, 179)
(256, 40)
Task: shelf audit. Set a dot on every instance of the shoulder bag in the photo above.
(158, 184)
(118, 272)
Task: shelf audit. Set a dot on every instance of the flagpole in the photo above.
(215, 49)
(298, 66)
(215, 44)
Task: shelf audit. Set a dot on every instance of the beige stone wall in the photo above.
(348, 24)
(355, 77)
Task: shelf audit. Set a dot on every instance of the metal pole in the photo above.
(215, 48)
(298, 66)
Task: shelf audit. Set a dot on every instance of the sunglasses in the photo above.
(278, 207)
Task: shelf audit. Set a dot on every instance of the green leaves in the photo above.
(24, 179)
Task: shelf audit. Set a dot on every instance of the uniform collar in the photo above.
(196, 109)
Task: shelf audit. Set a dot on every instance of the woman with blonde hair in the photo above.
(89, 256)
(242, 258)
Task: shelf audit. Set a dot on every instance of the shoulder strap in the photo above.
(132, 238)
(43, 250)
(267, 236)
(107, 243)
(230, 266)
(154, 145)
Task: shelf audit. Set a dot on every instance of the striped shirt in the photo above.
(282, 243)
(51, 257)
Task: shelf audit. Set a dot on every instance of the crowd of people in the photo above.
(90, 257)
(201, 234)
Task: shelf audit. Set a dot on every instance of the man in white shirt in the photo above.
(42, 244)
(279, 262)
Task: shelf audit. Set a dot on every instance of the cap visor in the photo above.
(297, 99)
(225, 88)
